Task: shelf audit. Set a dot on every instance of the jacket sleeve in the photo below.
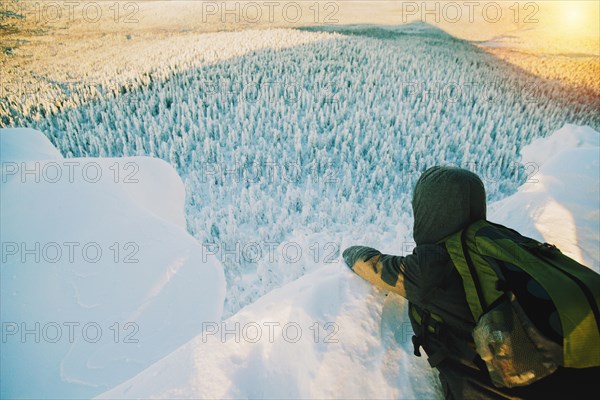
(414, 277)
(393, 273)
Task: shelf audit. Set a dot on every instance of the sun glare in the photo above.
(573, 16)
(577, 18)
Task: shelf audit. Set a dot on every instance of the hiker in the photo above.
(447, 200)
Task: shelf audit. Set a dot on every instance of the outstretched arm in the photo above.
(384, 271)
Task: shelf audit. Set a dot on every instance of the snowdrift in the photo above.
(291, 122)
(559, 202)
(321, 336)
(99, 278)
(271, 349)
(104, 293)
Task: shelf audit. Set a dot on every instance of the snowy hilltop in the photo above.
(291, 136)
(104, 293)
(99, 276)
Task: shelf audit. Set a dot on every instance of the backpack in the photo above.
(535, 308)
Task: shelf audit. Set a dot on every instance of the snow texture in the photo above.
(99, 278)
(275, 149)
(292, 136)
(559, 201)
(368, 353)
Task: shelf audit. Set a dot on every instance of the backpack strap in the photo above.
(472, 270)
(427, 324)
(430, 324)
(481, 285)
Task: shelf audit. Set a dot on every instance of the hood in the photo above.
(446, 200)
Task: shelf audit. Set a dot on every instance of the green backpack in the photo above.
(535, 308)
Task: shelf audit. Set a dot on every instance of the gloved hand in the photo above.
(354, 253)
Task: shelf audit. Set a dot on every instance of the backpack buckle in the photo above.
(548, 249)
(417, 343)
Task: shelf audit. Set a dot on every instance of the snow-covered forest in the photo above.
(231, 167)
(320, 133)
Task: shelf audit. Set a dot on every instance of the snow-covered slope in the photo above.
(99, 278)
(274, 130)
(25, 144)
(368, 353)
(320, 336)
(559, 201)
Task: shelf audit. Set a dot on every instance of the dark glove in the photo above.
(354, 253)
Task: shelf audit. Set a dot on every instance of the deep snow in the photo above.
(292, 136)
(369, 353)
(327, 334)
(339, 125)
(99, 278)
(372, 355)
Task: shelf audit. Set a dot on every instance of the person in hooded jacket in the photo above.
(446, 200)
